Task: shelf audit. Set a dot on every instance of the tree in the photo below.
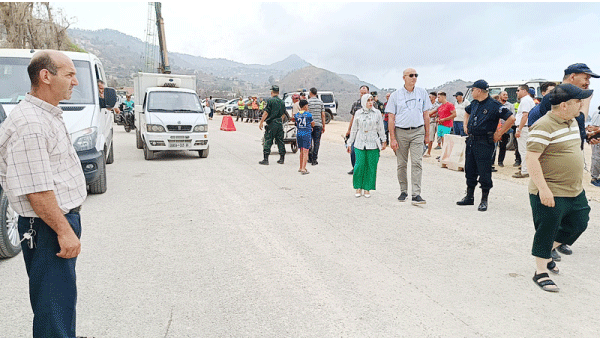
(33, 25)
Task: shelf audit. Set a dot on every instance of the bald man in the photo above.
(44, 182)
(407, 108)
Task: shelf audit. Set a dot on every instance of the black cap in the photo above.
(459, 94)
(275, 89)
(481, 84)
(373, 93)
(580, 68)
(566, 91)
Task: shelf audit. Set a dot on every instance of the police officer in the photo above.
(273, 116)
(377, 104)
(481, 122)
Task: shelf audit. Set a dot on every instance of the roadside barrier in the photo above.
(453, 152)
(227, 123)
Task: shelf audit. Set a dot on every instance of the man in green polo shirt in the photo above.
(555, 160)
(273, 116)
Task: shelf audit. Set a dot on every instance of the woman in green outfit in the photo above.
(368, 135)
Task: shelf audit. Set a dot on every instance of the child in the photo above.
(304, 124)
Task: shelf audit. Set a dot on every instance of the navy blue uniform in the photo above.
(483, 122)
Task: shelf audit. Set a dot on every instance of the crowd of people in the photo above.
(549, 134)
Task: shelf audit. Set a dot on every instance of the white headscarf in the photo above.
(363, 101)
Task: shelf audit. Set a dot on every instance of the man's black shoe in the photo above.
(516, 164)
(555, 256)
(314, 162)
(418, 200)
(402, 197)
(483, 205)
(501, 165)
(351, 172)
(564, 249)
(265, 161)
(494, 170)
(281, 159)
(467, 200)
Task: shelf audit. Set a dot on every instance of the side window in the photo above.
(98, 77)
(512, 94)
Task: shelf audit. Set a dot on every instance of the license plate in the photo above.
(179, 144)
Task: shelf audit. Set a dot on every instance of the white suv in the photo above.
(329, 103)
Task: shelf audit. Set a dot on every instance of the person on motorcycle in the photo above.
(129, 104)
(128, 117)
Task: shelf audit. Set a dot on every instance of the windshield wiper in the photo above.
(159, 110)
(187, 110)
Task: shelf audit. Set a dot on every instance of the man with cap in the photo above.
(409, 130)
(558, 203)
(579, 75)
(273, 116)
(481, 126)
(376, 103)
(461, 104)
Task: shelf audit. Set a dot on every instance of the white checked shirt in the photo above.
(36, 155)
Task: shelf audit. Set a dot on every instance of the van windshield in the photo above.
(15, 83)
(327, 98)
(174, 102)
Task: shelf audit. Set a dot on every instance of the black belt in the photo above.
(75, 210)
(410, 128)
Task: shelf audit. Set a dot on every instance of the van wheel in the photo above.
(328, 117)
(99, 186)
(111, 155)
(148, 154)
(204, 152)
(10, 245)
(139, 143)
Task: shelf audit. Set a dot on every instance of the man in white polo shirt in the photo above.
(525, 105)
(407, 110)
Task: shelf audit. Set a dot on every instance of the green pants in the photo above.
(274, 130)
(563, 223)
(365, 168)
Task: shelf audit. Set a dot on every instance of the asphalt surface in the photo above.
(223, 247)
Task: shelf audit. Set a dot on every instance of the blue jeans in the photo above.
(458, 128)
(52, 280)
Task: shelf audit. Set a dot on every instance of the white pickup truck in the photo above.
(169, 114)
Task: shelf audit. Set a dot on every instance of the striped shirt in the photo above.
(561, 157)
(36, 155)
(315, 107)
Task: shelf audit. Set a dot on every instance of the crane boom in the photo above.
(162, 41)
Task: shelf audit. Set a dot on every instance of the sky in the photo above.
(375, 41)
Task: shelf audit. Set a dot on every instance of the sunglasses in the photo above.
(413, 75)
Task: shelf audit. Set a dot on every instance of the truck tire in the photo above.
(139, 143)
(10, 244)
(111, 155)
(99, 186)
(328, 117)
(148, 154)
(204, 153)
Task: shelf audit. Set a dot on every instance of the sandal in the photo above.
(305, 172)
(545, 283)
(552, 267)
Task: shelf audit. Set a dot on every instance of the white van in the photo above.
(511, 89)
(329, 103)
(170, 116)
(90, 127)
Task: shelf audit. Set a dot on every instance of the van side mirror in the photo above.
(110, 97)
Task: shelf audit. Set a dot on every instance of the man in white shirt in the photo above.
(407, 110)
(460, 106)
(522, 133)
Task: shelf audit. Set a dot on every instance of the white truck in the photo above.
(169, 114)
(88, 122)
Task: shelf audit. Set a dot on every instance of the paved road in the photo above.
(222, 247)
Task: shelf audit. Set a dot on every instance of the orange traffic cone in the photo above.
(227, 123)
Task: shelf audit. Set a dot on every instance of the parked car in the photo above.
(231, 107)
(329, 103)
(220, 104)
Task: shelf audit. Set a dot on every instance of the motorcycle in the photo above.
(128, 118)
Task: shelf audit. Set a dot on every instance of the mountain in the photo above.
(357, 82)
(290, 63)
(451, 87)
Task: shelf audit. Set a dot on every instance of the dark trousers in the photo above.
(563, 223)
(313, 154)
(502, 147)
(478, 162)
(240, 115)
(517, 155)
(387, 132)
(274, 131)
(352, 156)
(52, 280)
